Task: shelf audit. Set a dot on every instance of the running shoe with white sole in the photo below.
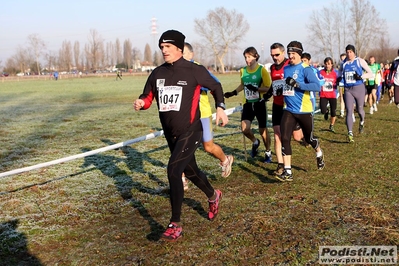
(284, 176)
(268, 157)
(350, 138)
(226, 168)
(320, 162)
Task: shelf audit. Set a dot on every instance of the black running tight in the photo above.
(182, 159)
(288, 124)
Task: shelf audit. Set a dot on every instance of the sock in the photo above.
(288, 169)
(256, 142)
(213, 197)
(319, 153)
(350, 133)
(362, 123)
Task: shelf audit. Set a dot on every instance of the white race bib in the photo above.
(278, 87)
(288, 91)
(169, 98)
(328, 86)
(349, 77)
(251, 95)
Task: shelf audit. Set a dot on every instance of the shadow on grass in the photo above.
(13, 246)
(124, 183)
(46, 182)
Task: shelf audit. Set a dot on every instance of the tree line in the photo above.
(330, 29)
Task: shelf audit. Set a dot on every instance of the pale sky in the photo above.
(71, 20)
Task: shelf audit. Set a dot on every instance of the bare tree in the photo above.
(222, 30)
(37, 45)
(384, 52)
(136, 55)
(333, 27)
(147, 53)
(50, 60)
(22, 59)
(127, 53)
(367, 27)
(101, 56)
(202, 54)
(76, 54)
(158, 60)
(65, 56)
(11, 66)
(94, 50)
(118, 52)
(108, 53)
(341, 17)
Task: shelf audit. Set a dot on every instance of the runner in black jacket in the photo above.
(176, 87)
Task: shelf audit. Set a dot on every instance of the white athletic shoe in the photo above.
(371, 110)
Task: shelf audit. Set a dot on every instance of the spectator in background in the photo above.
(118, 75)
(55, 74)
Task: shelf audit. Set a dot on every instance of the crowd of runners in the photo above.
(180, 87)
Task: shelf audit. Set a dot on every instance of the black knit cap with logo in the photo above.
(174, 37)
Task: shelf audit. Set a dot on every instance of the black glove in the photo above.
(357, 76)
(339, 79)
(251, 87)
(292, 82)
(230, 94)
(268, 94)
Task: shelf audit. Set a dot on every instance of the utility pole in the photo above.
(154, 32)
(263, 54)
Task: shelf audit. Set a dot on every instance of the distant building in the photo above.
(147, 66)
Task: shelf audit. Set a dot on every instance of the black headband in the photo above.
(295, 50)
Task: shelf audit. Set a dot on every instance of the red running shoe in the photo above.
(214, 205)
(173, 232)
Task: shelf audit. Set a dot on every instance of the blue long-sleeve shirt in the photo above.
(300, 100)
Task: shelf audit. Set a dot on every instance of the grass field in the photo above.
(110, 208)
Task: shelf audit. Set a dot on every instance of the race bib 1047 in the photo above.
(169, 98)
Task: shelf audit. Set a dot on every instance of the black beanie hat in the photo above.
(174, 37)
(351, 48)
